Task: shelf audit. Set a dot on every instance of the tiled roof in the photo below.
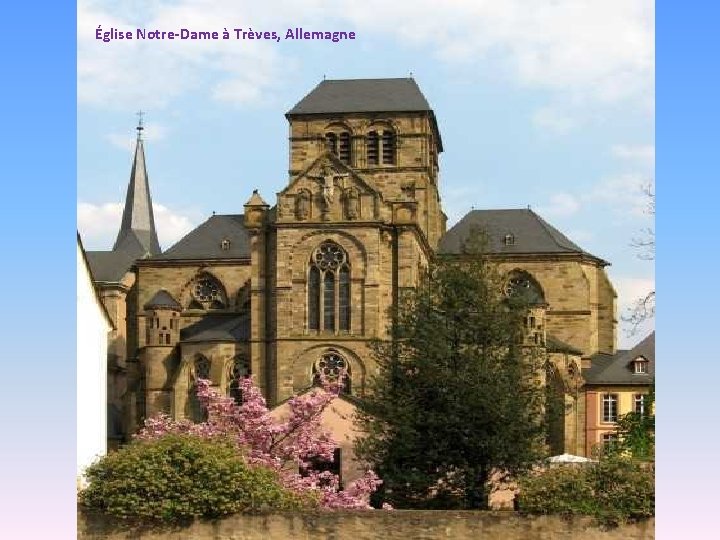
(619, 369)
(218, 327)
(162, 299)
(530, 233)
(109, 266)
(206, 241)
(362, 95)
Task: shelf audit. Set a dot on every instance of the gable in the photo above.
(328, 190)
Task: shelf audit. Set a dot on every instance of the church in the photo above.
(298, 285)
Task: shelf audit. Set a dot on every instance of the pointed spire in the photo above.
(137, 235)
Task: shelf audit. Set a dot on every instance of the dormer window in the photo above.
(509, 239)
(225, 244)
(640, 365)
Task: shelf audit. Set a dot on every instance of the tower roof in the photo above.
(137, 236)
(362, 95)
(366, 96)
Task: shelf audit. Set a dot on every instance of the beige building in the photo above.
(289, 290)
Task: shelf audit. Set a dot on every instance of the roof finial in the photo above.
(411, 75)
(323, 76)
(140, 123)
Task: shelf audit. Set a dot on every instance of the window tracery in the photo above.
(329, 367)
(207, 293)
(329, 300)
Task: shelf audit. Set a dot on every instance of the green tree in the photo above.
(636, 432)
(457, 392)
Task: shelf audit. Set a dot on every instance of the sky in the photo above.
(542, 103)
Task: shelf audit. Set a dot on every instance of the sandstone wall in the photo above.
(369, 525)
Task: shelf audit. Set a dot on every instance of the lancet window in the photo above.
(329, 299)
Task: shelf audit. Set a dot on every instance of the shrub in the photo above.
(614, 490)
(182, 476)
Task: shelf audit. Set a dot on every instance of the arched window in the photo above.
(329, 367)
(373, 146)
(381, 147)
(521, 285)
(331, 142)
(388, 147)
(200, 370)
(238, 369)
(207, 293)
(329, 289)
(344, 150)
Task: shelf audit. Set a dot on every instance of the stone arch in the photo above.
(193, 298)
(338, 126)
(302, 251)
(234, 369)
(519, 281)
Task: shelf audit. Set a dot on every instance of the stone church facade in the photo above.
(289, 290)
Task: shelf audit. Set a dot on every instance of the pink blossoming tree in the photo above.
(287, 446)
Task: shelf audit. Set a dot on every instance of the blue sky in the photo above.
(548, 104)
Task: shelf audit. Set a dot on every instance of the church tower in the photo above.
(137, 235)
(356, 224)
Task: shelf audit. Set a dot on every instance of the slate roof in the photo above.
(205, 241)
(553, 344)
(618, 368)
(218, 327)
(109, 266)
(532, 234)
(362, 95)
(365, 95)
(162, 299)
(137, 235)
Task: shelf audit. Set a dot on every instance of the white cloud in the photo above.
(630, 290)
(126, 73)
(585, 50)
(553, 120)
(625, 193)
(98, 224)
(644, 154)
(561, 205)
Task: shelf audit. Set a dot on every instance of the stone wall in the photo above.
(393, 525)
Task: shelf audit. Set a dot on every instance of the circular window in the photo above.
(330, 365)
(329, 256)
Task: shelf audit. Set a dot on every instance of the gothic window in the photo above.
(200, 370)
(329, 367)
(237, 370)
(207, 293)
(329, 289)
(521, 285)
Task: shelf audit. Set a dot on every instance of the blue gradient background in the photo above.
(37, 454)
(37, 223)
(687, 149)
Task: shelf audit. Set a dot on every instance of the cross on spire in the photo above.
(140, 123)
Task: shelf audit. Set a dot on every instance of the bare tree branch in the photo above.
(644, 308)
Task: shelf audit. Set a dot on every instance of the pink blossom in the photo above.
(286, 446)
